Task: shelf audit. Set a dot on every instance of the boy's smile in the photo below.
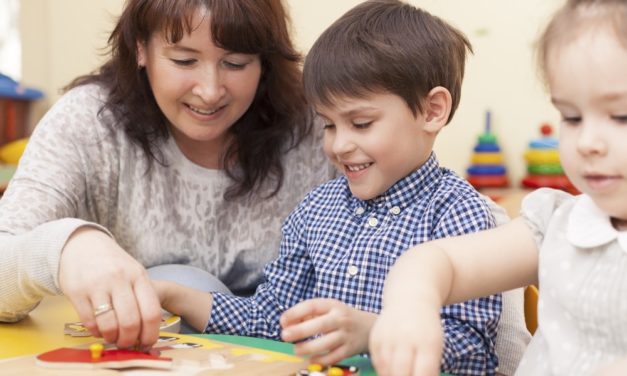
(374, 141)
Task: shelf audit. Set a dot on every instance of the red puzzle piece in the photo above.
(114, 358)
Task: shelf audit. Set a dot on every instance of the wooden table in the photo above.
(43, 331)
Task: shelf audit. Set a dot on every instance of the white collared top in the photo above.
(582, 311)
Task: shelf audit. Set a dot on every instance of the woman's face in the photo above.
(201, 89)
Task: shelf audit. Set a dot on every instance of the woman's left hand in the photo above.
(340, 331)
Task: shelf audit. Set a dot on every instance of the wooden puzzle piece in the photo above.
(169, 323)
(76, 329)
(105, 358)
(333, 370)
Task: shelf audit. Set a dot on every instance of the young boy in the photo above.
(385, 78)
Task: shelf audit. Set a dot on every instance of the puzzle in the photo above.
(173, 354)
(169, 323)
(97, 357)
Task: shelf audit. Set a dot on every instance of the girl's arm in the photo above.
(465, 267)
(443, 272)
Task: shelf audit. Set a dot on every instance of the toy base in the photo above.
(488, 181)
(549, 181)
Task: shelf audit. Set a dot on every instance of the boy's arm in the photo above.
(289, 279)
(191, 304)
(445, 271)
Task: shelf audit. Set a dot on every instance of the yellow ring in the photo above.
(542, 156)
(487, 158)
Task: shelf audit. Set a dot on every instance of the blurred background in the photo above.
(44, 44)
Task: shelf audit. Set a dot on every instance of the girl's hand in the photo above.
(407, 342)
(341, 331)
(110, 290)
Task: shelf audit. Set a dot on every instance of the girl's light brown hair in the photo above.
(575, 17)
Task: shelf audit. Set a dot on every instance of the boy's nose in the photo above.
(209, 86)
(342, 143)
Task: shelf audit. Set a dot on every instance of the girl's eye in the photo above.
(362, 125)
(620, 118)
(328, 126)
(184, 63)
(571, 120)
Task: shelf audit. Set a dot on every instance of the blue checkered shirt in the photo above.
(337, 246)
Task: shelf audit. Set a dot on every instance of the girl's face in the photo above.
(201, 89)
(588, 87)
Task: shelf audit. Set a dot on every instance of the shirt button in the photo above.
(395, 210)
(373, 222)
(359, 211)
(353, 270)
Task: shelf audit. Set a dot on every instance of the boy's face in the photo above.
(589, 88)
(375, 141)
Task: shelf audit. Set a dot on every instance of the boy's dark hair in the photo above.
(277, 120)
(386, 45)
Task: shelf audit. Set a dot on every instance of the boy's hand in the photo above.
(407, 342)
(341, 331)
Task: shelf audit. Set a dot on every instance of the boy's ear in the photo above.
(141, 55)
(437, 108)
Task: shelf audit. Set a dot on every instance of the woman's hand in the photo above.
(110, 290)
(407, 342)
(340, 331)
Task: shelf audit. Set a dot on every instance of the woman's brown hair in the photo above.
(277, 120)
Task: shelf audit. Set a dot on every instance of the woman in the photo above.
(188, 146)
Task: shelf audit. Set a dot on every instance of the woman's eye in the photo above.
(234, 65)
(184, 63)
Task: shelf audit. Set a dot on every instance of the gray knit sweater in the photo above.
(79, 170)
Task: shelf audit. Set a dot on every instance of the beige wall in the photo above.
(62, 39)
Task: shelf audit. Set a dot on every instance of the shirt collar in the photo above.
(406, 191)
(589, 226)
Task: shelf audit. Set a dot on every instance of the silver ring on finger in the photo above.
(102, 309)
